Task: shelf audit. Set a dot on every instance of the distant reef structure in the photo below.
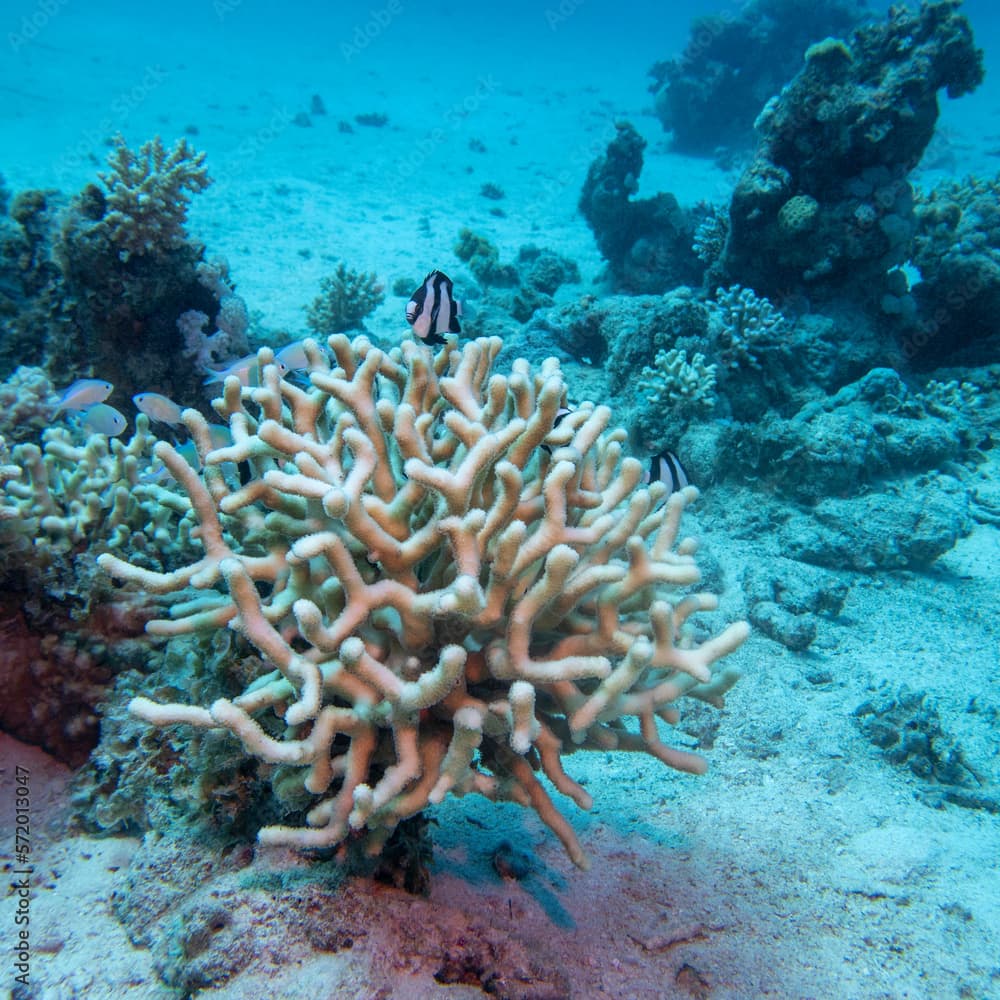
(709, 97)
(826, 203)
(647, 242)
(796, 338)
(825, 214)
(957, 250)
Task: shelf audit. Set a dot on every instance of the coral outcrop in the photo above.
(647, 242)
(346, 297)
(519, 288)
(148, 194)
(130, 271)
(483, 259)
(98, 282)
(907, 727)
(826, 203)
(869, 431)
(871, 473)
(957, 251)
(36, 314)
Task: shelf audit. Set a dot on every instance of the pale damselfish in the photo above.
(433, 310)
(103, 419)
(84, 392)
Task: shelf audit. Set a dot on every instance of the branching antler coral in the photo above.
(455, 591)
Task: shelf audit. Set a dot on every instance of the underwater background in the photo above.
(775, 258)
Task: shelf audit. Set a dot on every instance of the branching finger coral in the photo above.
(741, 323)
(444, 605)
(98, 491)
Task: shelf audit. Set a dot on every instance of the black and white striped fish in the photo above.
(433, 309)
(561, 414)
(666, 468)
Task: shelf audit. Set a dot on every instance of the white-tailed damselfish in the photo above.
(433, 310)
(667, 469)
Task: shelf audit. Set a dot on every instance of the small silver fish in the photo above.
(103, 419)
(158, 473)
(158, 407)
(220, 435)
(189, 453)
(247, 370)
(293, 356)
(84, 392)
(666, 468)
(433, 309)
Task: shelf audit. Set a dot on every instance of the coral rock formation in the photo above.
(826, 202)
(710, 95)
(647, 242)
